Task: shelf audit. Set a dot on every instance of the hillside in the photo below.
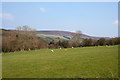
(66, 33)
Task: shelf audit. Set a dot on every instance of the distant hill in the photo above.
(66, 33)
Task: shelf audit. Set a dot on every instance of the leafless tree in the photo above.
(76, 37)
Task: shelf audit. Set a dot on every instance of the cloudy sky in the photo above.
(92, 18)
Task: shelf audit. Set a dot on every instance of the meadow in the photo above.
(51, 36)
(83, 62)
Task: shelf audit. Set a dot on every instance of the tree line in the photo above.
(25, 38)
(85, 42)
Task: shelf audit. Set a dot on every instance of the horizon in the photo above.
(92, 18)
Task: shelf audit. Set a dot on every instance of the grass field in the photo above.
(52, 36)
(86, 62)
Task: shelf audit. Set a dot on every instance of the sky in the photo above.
(92, 18)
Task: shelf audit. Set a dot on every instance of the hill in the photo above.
(66, 33)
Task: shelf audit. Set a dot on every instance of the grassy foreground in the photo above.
(86, 62)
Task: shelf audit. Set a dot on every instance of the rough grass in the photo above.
(86, 62)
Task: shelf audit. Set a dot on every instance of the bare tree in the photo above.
(76, 37)
(26, 37)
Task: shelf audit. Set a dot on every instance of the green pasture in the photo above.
(51, 36)
(83, 62)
